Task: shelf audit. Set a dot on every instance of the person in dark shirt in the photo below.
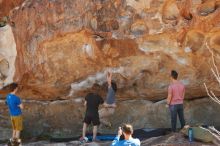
(109, 105)
(92, 102)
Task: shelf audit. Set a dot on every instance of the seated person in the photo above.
(127, 131)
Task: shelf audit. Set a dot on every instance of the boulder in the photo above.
(58, 51)
(62, 50)
(200, 134)
(64, 118)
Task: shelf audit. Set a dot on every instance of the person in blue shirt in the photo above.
(15, 106)
(127, 131)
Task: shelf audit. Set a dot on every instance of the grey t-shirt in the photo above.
(110, 99)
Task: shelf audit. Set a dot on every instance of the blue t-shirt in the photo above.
(110, 99)
(130, 142)
(13, 103)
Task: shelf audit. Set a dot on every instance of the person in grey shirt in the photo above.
(109, 104)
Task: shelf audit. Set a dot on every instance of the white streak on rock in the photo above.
(87, 48)
(187, 50)
(179, 59)
(185, 81)
(145, 49)
(98, 78)
(182, 61)
(78, 100)
(8, 51)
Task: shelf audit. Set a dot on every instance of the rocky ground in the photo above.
(60, 50)
(176, 139)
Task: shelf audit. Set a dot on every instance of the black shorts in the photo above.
(91, 119)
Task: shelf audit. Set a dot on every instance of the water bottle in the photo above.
(190, 134)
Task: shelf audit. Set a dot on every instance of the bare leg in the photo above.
(14, 134)
(84, 130)
(95, 129)
(17, 135)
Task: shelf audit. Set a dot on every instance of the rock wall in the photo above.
(64, 44)
(8, 55)
(64, 49)
(64, 118)
(7, 5)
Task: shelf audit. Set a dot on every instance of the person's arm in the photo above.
(21, 106)
(109, 79)
(6, 102)
(19, 103)
(183, 92)
(85, 100)
(169, 95)
(115, 142)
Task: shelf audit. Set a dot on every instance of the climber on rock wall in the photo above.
(109, 104)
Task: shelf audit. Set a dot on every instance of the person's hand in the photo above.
(119, 131)
(109, 74)
(167, 105)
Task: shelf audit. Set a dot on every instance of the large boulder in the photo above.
(64, 118)
(63, 49)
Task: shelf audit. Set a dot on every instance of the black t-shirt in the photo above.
(93, 101)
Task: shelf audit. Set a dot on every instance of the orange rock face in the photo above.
(65, 48)
(7, 5)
